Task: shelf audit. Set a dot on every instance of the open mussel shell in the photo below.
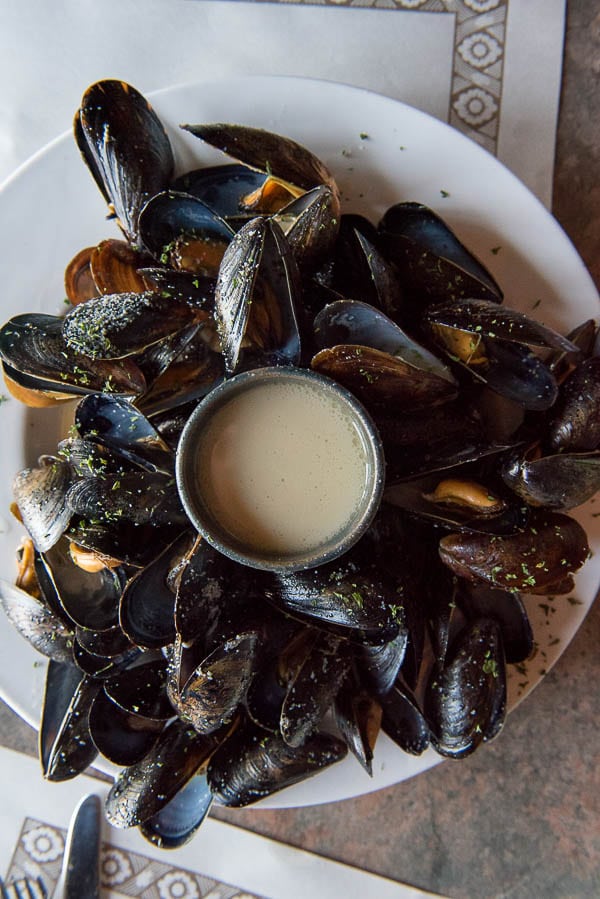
(90, 599)
(175, 824)
(37, 358)
(484, 319)
(253, 764)
(507, 609)
(432, 262)
(475, 508)
(181, 231)
(120, 736)
(355, 322)
(552, 546)
(380, 379)
(282, 158)
(142, 790)
(256, 299)
(126, 148)
(403, 721)
(65, 745)
(561, 481)
(114, 268)
(575, 418)
(41, 496)
(222, 188)
(79, 281)
(37, 623)
(121, 324)
(117, 424)
(465, 700)
(190, 376)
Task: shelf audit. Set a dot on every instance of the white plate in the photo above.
(51, 208)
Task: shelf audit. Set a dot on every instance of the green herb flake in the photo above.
(495, 250)
(490, 666)
(444, 194)
(364, 136)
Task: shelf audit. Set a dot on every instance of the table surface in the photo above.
(521, 818)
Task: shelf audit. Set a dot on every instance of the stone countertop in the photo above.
(521, 818)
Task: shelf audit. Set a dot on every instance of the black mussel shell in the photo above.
(90, 599)
(35, 621)
(561, 481)
(142, 690)
(121, 737)
(118, 425)
(379, 666)
(191, 375)
(310, 225)
(221, 187)
(350, 599)
(358, 717)
(147, 608)
(105, 644)
(433, 264)
(382, 380)
(140, 497)
(142, 790)
(465, 700)
(126, 148)
(313, 688)
(575, 418)
(212, 694)
(177, 822)
(181, 231)
(194, 289)
(37, 357)
(515, 372)
(284, 159)
(403, 721)
(102, 667)
(41, 496)
(256, 298)
(121, 324)
(508, 610)
(354, 322)
(65, 745)
(552, 547)
(486, 320)
(253, 764)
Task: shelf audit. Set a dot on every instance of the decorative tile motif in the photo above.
(478, 58)
(40, 849)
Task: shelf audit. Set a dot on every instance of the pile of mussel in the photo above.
(207, 680)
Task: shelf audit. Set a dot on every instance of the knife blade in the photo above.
(81, 873)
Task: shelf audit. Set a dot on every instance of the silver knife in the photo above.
(81, 872)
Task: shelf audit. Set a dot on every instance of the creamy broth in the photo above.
(282, 466)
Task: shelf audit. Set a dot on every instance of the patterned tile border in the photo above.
(478, 57)
(39, 853)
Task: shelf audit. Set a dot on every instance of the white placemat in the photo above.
(491, 68)
(221, 862)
